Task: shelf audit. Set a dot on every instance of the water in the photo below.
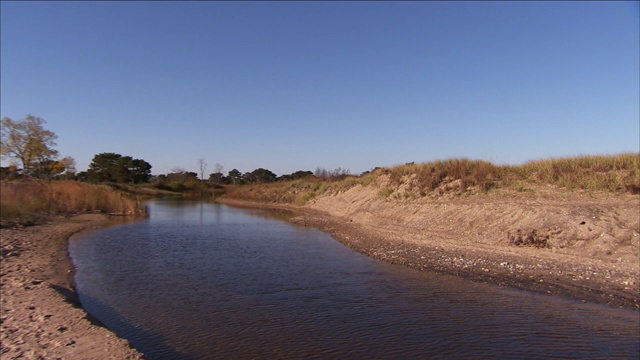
(207, 281)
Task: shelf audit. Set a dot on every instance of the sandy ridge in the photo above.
(40, 316)
(594, 239)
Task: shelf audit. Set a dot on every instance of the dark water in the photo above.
(206, 281)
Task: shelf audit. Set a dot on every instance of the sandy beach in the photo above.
(41, 317)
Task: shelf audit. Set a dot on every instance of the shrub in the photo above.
(528, 239)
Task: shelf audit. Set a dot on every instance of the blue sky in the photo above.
(292, 86)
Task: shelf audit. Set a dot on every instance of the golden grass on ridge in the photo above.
(614, 173)
(608, 173)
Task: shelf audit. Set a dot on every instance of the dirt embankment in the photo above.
(589, 242)
(40, 316)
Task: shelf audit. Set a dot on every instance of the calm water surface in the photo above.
(207, 281)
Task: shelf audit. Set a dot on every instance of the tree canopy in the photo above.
(54, 168)
(112, 167)
(27, 141)
(261, 175)
(235, 176)
(296, 175)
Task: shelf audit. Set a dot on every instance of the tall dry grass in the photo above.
(609, 173)
(32, 199)
(286, 192)
(613, 173)
(456, 173)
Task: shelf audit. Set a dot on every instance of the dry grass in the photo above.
(609, 173)
(613, 173)
(460, 174)
(288, 192)
(29, 200)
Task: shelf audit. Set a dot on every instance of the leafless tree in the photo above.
(202, 165)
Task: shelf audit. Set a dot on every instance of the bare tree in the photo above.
(219, 168)
(332, 175)
(202, 166)
(69, 165)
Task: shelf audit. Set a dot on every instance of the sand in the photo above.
(593, 239)
(40, 315)
(593, 243)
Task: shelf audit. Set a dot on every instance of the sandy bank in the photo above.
(40, 317)
(593, 239)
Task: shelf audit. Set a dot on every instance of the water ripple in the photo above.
(204, 281)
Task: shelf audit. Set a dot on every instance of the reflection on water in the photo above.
(198, 280)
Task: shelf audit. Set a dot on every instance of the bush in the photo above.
(528, 239)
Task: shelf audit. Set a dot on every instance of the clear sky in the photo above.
(292, 86)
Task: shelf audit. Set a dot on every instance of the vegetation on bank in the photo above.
(28, 200)
(27, 143)
(609, 173)
(612, 173)
(28, 150)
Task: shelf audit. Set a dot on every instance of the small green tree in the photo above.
(235, 176)
(140, 171)
(296, 175)
(217, 178)
(263, 175)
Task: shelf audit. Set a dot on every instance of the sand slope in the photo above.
(593, 239)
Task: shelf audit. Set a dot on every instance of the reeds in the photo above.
(32, 199)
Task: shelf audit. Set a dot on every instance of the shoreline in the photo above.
(41, 316)
(530, 269)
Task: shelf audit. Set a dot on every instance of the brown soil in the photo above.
(40, 316)
(589, 242)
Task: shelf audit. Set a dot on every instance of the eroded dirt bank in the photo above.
(592, 240)
(40, 316)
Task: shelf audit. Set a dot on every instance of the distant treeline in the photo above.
(28, 144)
(121, 169)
